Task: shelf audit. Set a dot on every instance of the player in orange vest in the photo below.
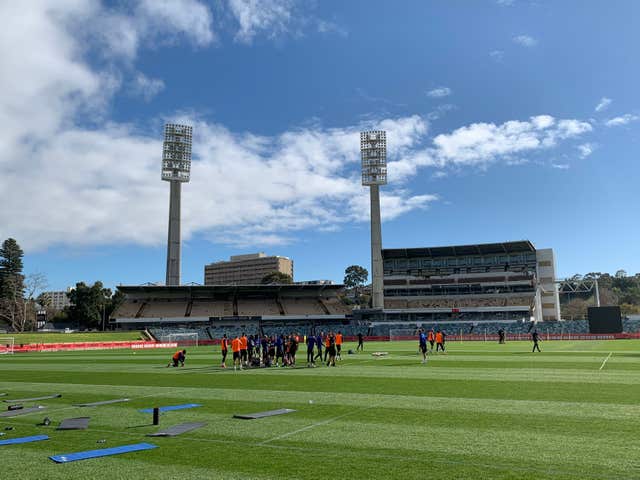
(431, 338)
(243, 349)
(339, 344)
(235, 347)
(439, 341)
(178, 357)
(327, 344)
(224, 348)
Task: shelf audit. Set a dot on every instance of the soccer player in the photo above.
(339, 344)
(327, 345)
(178, 357)
(360, 342)
(280, 350)
(332, 350)
(311, 343)
(439, 341)
(243, 349)
(501, 336)
(319, 346)
(236, 343)
(535, 338)
(422, 344)
(224, 348)
(432, 338)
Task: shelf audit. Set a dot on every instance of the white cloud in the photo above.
(560, 166)
(65, 183)
(189, 18)
(586, 149)
(439, 92)
(481, 144)
(603, 104)
(497, 55)
(254, 17)
(621, 120)
(146, 87)
(525, 40)
(505, 3)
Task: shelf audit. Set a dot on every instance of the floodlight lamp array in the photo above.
(373, 150)
(176, 152)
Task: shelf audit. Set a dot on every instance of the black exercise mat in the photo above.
(104, 402)
(177, 430)
(16, 400)
(15, 413)
(79, 423)
(269, 413)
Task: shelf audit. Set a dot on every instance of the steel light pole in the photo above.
(176, 169)
(373, 150)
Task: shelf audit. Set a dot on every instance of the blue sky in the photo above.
(506, 120)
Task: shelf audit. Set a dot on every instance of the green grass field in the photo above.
(483, 411)
(73, 337)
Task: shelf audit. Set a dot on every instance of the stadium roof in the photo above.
(460, 250)
(209, 291)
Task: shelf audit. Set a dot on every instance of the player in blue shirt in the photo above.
(311, 342)
(319, 346)
(422, 341)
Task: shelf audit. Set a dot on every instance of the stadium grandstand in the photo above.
(505, 282)
(211, 311)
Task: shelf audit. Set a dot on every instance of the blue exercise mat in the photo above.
(172, 407)
(15, 441)
(103, 452)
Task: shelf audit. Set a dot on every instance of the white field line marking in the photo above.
(605, 360)
(314, 425)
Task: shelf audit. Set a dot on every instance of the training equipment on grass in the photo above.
(35, 399)
(80, 423)
(379, 354)
(177, 430)
(105, 402)
(3, 394)
(103, 452)
(269, 413)
(24, 411)
(172, 407)
(16, 441)
(17, 406)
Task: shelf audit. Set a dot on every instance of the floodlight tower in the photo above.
(373, 149)
(176, 169)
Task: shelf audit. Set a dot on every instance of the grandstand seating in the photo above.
(163, 308)
(335, 306)
(220, 308)
(257, 307)
(128, 309)
(302, 306)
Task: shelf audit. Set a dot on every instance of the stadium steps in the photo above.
(280, 306)
(189, 307)
(325, 309)
(141, 309)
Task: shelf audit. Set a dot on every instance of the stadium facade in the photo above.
(247, 269)
(506, 281)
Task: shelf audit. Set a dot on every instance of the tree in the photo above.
(12, 284)
(89, 304)
(355, 277)
(276, 278)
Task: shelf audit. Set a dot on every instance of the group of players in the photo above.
(281, 350)
(438, 338)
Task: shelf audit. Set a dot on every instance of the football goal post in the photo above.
(189, 339)
(396, 334)
(6, 345)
